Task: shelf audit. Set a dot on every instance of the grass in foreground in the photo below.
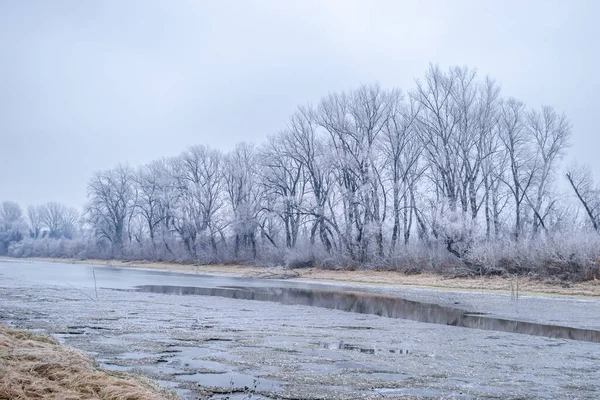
(34, 366)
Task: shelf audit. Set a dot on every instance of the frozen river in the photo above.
(221, 337)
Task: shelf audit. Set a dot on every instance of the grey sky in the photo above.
(85, 85)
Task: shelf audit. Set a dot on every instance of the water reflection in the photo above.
(385, 306)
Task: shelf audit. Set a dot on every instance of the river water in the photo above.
(221, 337)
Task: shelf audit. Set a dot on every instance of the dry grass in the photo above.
(370, 277)
(37, 367)
(437, 281)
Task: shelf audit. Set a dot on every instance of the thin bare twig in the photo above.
(81, 291)
(95, 286)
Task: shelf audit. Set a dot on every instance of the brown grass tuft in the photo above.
(34, 366)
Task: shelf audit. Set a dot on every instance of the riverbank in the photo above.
(34, 366)
(524, 285)
(207, 347)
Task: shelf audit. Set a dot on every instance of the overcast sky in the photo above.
(85, 85)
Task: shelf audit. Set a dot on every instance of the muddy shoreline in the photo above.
(493, 284)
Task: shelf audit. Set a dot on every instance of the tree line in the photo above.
(448, 175)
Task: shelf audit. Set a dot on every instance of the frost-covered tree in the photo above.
(401, 148)
(454, 173)
(57, 220)
(34, 221)
(282, 176)
(308, 145)
(522, 160)
(151, 183)
(588, 193)
(111, 204)
(198, 175)
(244, 197)
(354, 122)
(12, 224)
(550, 132)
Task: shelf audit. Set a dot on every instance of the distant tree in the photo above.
(59, 220)
(587, 192)
(402, 150)
(354, 122)
(448, 173)
(111, 202)
(438, 127)
(307, 146)
(12, 225)
(244, 197)
(282, 176)
(198, 175)
(34, 218)
(550, 133)
(153, 184)
(523, 164)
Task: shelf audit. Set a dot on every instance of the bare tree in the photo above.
(244, 197)
(111, 202)
(70, 223)
(354, 122)
(492, 158)
(438, 126)
(522, 160)
(198, 174)
(282, 175)
(58, 220)
(34, 221)
(309, 148)
(153, 183)
(581, 181)
(402, 150)
(11, 216)
(550, 132)
(456, 126)
(451, 166)
(12, 224)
